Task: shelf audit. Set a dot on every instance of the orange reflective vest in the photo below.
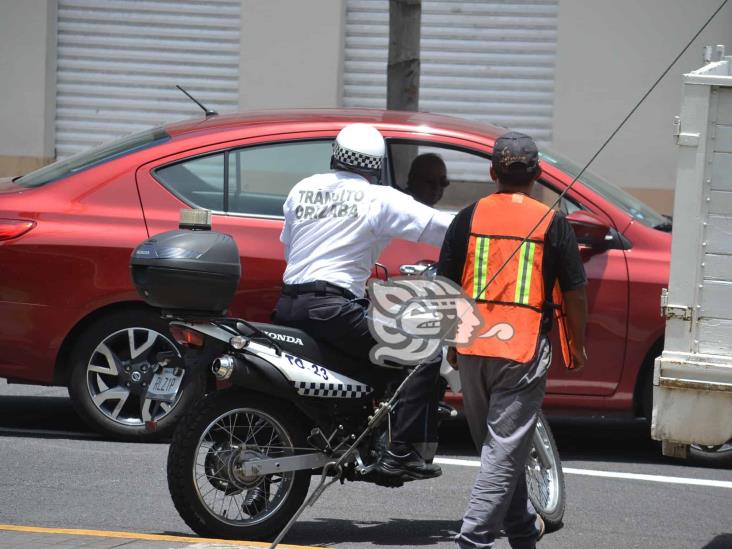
(512, 304)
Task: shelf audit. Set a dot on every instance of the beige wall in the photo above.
(291, 53)
(609, 53)
(27, 83)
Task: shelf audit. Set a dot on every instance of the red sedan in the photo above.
(70, 316)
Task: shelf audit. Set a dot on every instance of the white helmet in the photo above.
(359, 146)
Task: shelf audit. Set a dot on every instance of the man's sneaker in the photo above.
(408, 466)
(256, 499)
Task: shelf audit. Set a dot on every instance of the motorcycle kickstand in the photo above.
(383, 409)
(319, 489)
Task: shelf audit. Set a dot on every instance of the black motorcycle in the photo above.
(241, 460)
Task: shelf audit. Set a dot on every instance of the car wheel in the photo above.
(112, 365)
(712, 456)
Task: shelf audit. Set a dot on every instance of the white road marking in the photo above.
(650, 478)
(453, 461)
(608, 474)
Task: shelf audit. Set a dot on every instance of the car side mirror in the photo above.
(589, 229)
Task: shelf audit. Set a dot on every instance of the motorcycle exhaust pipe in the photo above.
(254, 373)
(223, 367)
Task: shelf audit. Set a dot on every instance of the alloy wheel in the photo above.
(119, 371)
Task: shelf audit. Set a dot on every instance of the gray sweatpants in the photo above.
(502, 400)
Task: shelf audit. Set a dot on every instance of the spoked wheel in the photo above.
(544, 476)
(206, 478)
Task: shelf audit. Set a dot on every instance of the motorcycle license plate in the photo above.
(165, 384)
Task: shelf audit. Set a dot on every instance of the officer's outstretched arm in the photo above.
(398, 215)
(434, 232)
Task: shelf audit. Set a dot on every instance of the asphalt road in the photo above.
(57, 474)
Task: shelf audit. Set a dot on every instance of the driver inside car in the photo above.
(427, 179)
(336, 225)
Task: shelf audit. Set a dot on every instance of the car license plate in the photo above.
(165, 384)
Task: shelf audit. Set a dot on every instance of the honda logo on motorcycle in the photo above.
(285, 338)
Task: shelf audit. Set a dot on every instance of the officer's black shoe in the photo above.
(256, 499)
(407, 465)
(379, 479)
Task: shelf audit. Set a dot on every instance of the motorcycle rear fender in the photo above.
(209, 329)
(256, 374)
(251, 372)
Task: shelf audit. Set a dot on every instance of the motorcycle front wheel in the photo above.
(205, 479)
(545, 478)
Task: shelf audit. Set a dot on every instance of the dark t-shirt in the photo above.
(561, 257)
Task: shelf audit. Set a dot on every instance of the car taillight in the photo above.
(187, 337)
(13, 228)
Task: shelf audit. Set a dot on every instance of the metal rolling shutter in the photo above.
(119, 62)
(491, 61)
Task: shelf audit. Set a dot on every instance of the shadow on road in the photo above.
(578, 439)
(723, 541)
(606, 439)
(413, 533)
(40, 412)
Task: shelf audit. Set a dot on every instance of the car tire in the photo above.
(717, 457)
(646, 407)
(104, 360)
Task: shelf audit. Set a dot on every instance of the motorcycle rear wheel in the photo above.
(212, 496)
(545, 478)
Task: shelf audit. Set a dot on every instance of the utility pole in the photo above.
(402, 73)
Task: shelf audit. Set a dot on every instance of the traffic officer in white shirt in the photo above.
(336, 225)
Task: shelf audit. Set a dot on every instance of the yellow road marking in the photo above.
(138, 535)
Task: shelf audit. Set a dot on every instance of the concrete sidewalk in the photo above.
(33, 537)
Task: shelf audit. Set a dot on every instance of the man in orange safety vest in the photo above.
(520, 263)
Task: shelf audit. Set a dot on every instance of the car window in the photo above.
(467, 176)
(198, 181)
(94, 157)
(617, 196)
(260, 177)
(548, 195)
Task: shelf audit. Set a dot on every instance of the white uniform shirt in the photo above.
(337, 224)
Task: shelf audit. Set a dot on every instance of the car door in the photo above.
(608, 306)
(468, 166)
(244, 185)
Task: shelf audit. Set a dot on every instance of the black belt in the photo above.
(318, 287)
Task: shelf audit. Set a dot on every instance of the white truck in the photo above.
(692, 381)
